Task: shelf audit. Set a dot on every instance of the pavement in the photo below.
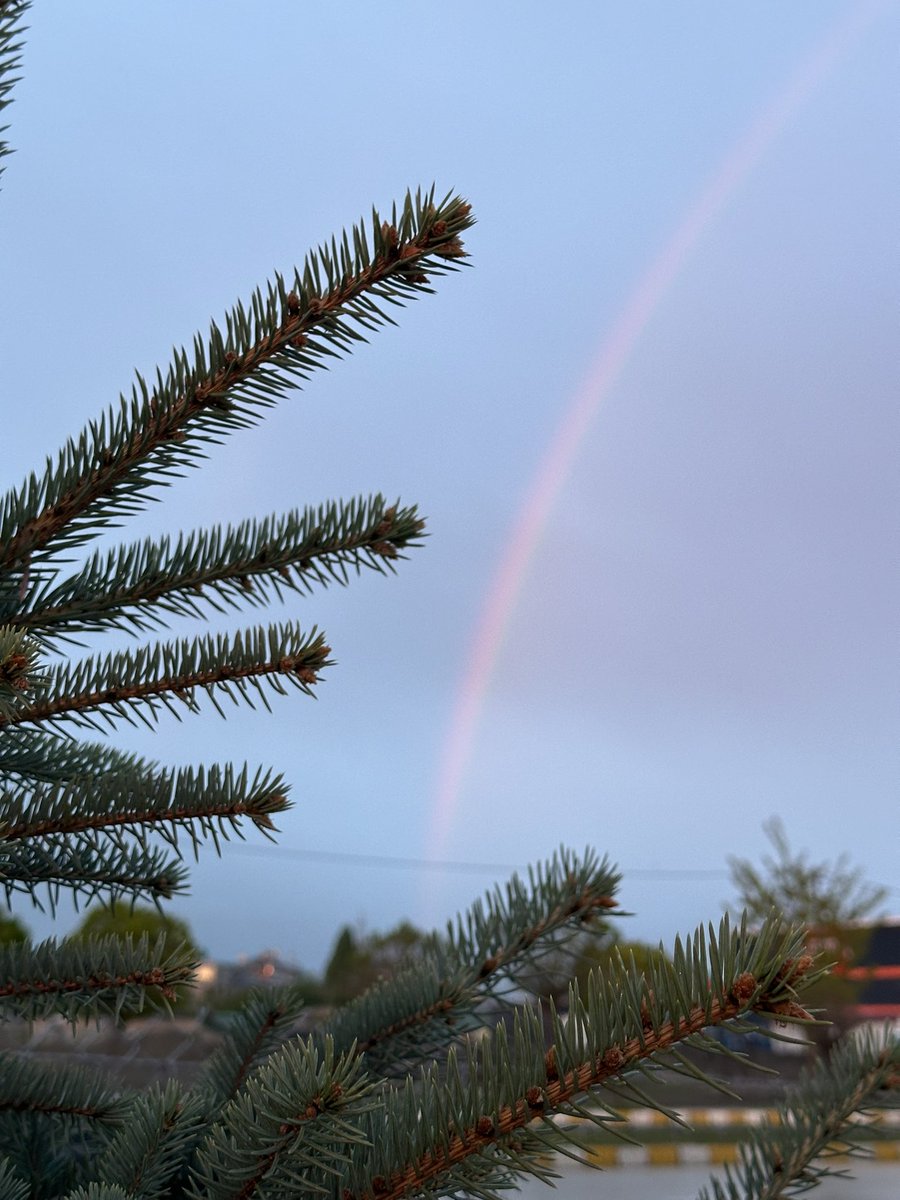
(714, 1138)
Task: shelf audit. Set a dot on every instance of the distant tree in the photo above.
(402, 943)
(123, 921)
(818, 895)
(829, 899)
(11, 929)
(343, 968)
(358, 961)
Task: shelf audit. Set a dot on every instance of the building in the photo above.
(877, 971)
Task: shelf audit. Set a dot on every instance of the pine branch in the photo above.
(789, 1155)
(136, 586)
(90, 977)
(59, 1091)
(146, 1156)
(288, 1131)
(49, 1151)
(197, 803)
(266, 1019)
(88, 870)
(514, 927)
(443, 1135)
(99, 1191)
(284, 334)
(11, 13)
(53, 1120)
(419, 1011)
(171, 1125)
(50, 758)
(12, 1185)
(142, 682)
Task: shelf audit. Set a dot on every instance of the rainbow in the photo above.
(615, 351)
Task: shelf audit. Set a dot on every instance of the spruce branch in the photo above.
(135, 587)
(99, 1191)
(33, 1088)
(790, 1154)
(198, 803)
(145, 1157)
(289, 1129)
(93, 976)
(516, 925)
(488, 953)
(267, 347)
(166, 675)
(54, 1118)
(12, 1185)
(262, 1024)
(449, 1133)
(49, 1151)
(88, 870)
(50, 758)
(11, 13)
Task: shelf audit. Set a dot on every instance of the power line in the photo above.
(374, 860)
(433, 864)
(465, 867)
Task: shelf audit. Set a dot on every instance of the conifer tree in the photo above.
(391, 1097)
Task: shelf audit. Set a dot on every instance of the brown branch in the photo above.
(75, 875)
(378, 542)
(65, 1110)
(156, 977)
(582, 906)
(70, 825)
(420, 1017)
(288, 1132)
(166, 423)
(296, 665)
(247, 1061)
(560, 1089)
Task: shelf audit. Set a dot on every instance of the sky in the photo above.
(653, 430)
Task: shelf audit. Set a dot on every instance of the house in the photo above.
(265, 969)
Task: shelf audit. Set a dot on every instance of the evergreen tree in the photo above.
(358, 962)
(344, 967)
(823, 897)
(830, 901)
(135, 923)
(390, 1098)
(12, 929)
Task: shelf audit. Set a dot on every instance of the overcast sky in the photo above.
(703, 631)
